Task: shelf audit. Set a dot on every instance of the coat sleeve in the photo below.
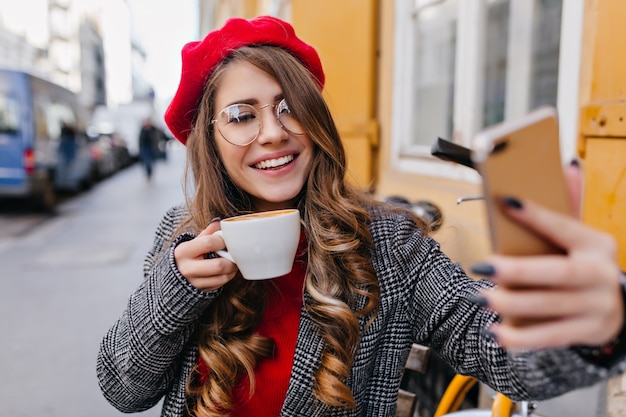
(436, 293)
(140, 355)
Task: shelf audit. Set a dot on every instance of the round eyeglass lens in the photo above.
(239, 124)
(287, 120)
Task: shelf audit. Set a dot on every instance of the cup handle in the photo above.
(221, 252)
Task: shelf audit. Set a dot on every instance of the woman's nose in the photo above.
(271, 129)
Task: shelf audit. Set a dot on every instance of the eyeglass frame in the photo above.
(260, 123)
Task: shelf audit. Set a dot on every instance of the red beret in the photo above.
(200, 58)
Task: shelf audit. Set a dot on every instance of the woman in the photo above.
(332, 336)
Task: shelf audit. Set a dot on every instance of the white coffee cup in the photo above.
(264, 244)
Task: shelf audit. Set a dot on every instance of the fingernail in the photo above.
(574, 163)
(479, 300)
(484, 269)
(215, 219)
(512, 202)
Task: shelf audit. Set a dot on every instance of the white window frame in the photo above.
(469, 80)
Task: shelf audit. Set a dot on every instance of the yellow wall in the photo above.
(602, 143)
(344, 34)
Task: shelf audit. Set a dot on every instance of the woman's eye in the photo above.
(240, 114)
(240, 118)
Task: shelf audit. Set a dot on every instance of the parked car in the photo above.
(122, 153)
(43, 145)
(109, 152)
(103, 155)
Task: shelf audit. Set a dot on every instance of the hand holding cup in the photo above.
(264, 244)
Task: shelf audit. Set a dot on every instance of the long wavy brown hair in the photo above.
(340, 278)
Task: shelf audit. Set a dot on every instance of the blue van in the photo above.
(43, 147)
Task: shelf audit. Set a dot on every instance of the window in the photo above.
(496, 64)
(461, 65)
(9, 114)
(58, 114)
(51, 116)
(433, 85)
(545, 52)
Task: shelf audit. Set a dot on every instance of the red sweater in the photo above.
(280, 322)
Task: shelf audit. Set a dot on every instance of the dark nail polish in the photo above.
(512, 202)
(479, 300)
(484, 269)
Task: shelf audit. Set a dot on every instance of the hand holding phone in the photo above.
(521, 159)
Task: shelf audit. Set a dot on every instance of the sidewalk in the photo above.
(65, 282)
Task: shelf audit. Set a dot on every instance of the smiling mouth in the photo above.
(275, 163)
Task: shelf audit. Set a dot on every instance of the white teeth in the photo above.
(273, 163)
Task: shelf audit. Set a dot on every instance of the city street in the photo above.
(65, 279)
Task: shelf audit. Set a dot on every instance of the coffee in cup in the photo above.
(264, 244)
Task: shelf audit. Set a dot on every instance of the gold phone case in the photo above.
(521, 159)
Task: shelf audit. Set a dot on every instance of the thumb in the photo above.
(213, 226)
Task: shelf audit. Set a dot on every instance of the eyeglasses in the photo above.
(240, 124)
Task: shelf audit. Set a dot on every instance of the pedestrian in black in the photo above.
(149, 138)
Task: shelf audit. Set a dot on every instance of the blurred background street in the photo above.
(65, 279)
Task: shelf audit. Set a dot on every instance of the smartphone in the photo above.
(521, 159)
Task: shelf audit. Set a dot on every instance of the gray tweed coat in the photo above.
(150, 350)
